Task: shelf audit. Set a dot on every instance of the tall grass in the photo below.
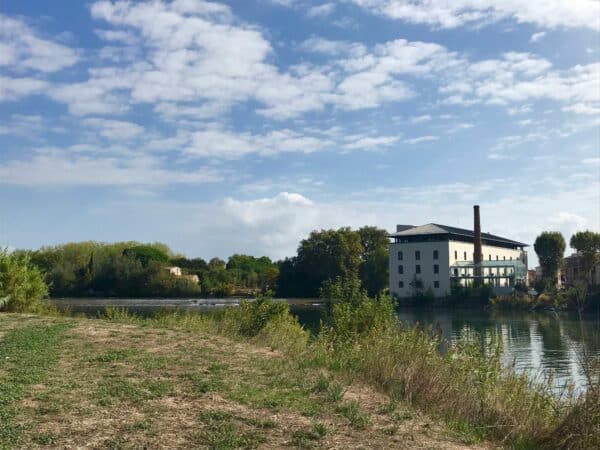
(362, 337)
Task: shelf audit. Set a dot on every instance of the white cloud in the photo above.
(421, 139)
(522, 77)
(334, 48)
(225, 144)
(370, 142)
(322, 10)
(115, 129)
(456, 13)
(15, 88)
(55, 167)
(537, 36)
(592, 161)
(420, 119)
(21, 49)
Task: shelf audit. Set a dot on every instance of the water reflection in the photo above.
(539, 344)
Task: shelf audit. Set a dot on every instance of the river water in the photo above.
(539, 344)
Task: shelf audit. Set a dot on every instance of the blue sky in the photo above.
(242, 126)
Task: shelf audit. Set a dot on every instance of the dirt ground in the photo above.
(119, 386)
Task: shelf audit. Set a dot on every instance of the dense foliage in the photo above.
(587, 244)
(550, 248)
(131, 269)
(22, 286)
(328, 254)
(125, 269)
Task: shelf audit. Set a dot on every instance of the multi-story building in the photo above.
(573, 271)
(435, 256)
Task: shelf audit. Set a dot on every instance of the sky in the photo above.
(240, 126)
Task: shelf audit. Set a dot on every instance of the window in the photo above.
(418, 268)
(511, 258)
(455, 272)
(436, 268)
(455, 254)
(417, 255)
(436, 284)
(496, 257)
(400, 256)
(401, 284)
(436, 254)
(489, 257)
(400, 269)
(465, 256)
(504, 258)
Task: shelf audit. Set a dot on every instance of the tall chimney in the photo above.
(477, 252)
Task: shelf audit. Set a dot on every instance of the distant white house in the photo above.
(173, 270)
(435, 256)
(176, 271)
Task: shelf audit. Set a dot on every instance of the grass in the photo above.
(107, 384)
(356, 416)
(363, 381)
(26, 356)
(307, 438)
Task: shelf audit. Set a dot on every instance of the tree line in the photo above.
(133, 269)
(550, 248)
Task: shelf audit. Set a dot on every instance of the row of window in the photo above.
(491, 271)
(489, 256)
(436, 255)
(436, 284)
(436, 268)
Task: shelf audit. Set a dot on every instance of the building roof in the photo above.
(437, 229)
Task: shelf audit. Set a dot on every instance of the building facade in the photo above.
(574, 270)
(435, 256)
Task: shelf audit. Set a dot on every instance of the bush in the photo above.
(22, 286)
(514, 300)
(467, 383)
(351, 312)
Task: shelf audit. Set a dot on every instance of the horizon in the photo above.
(221, 128)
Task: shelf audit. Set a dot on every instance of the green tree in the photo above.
(550, 248)
(328, 254)
(147, 253)
(216, 264)
(374, 265)
(22, 286)
(587, 244)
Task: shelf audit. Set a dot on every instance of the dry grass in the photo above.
(128, 386)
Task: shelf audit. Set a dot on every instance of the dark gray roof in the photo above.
(434, 228)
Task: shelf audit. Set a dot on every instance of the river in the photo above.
(539, 344)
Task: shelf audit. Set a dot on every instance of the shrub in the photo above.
(22, 286)
(512, 301)
(467, 383)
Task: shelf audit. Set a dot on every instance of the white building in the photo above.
(173, 270)
(435, 256)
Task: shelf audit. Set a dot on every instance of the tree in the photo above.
(147, 253)
(22, 286)
(216, 264)
(374, 266)
(328, 254)
(550, 248)
(587, 244)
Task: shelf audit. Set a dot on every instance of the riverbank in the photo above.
(81, 383)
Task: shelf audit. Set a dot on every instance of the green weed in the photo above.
(352, 411)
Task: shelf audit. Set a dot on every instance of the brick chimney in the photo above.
(477, 251)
